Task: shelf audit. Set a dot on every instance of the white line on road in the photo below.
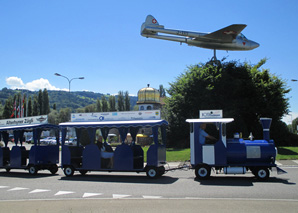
(17, 189)
(91, 194)
(39, 190)
(64, 192)
(117, 196)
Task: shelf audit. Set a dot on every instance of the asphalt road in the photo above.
(176, 191)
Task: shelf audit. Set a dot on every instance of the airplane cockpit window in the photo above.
(242, 36)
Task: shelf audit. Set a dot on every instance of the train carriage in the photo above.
(39, 157)
(126, 158)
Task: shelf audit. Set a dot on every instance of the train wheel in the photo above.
(152, 172)
(262, 173)
(68, 171)
(203, 171)
(32, 170)
(54, 169)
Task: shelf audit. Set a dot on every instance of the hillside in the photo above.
(63, 99)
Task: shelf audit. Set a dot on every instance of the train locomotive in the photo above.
(231, 156)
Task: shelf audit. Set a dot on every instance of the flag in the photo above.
(18, 112)
(22, 112)
(14, 109)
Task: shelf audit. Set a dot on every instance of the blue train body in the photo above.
(250, 153)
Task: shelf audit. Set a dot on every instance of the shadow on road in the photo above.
(24, 174)
(240, 181)
(120, 179)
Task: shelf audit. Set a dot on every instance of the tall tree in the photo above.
(98, 105)
(120, 103)
(29, 109)
(112, 103)
(40, 102)
(126, 102)
(45, 102)
(104, 103)
(35, 109)
(243, 91)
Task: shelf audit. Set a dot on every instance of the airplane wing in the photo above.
(226, 34)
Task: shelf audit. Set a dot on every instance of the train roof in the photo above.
(114, 124)
(29, 127)
(210, 120)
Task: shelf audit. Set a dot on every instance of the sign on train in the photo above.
(116, 116)
(41, 119)
(210, 114)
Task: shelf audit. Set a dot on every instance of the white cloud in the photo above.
(17, 83)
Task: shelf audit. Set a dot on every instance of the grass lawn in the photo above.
(287, 153)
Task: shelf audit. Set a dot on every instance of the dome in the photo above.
(148, 95)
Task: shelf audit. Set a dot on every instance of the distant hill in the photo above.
(63, 99)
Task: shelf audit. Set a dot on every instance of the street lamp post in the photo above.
(69, 80)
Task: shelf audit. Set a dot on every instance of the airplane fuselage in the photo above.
(197, 39)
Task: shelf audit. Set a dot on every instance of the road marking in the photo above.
(117, 196)
(39, 190)
(91, 194)
(295, 161)
(3, 187)
(151, 197)
(16, 189)
(64, 192)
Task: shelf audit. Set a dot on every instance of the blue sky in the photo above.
(100, 40)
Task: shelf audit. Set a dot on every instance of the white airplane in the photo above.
(228, 38)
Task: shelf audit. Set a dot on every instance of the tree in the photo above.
(8, 108)
(162, 91)
(98, 105)
(294, 126)
(90, 108)
(45, 102)
(120, 101)
(29, 109)
(64, 115)
(112, 103)
(35, 109)
(126, 101)
(53, 117)
(1, 110)
(242, 91)
(40, 102)
(104, 102)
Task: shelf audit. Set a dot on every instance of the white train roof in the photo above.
(210, 120)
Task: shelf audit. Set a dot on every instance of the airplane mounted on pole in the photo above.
(228, 38)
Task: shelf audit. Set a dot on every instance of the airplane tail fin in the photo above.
(150, 22)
